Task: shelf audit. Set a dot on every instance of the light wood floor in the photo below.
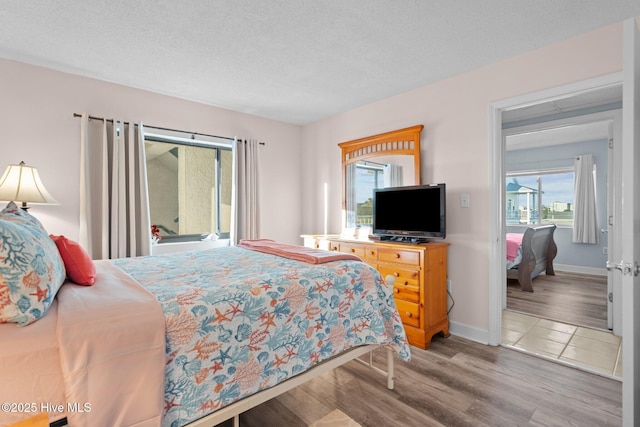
(578, 299)
(455, 383)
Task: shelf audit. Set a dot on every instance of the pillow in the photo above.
(31, 269)
(77, 262)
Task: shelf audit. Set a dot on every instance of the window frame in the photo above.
(378, 172)
(539, 173)
(219, 144)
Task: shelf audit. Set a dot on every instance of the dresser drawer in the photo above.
(334, 246)
(371, 253)
(403, 276)
(400, 256)
(409, 312)
(355, 249)
(406, 284)
(406, 293)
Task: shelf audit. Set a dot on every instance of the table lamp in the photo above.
(21, 183)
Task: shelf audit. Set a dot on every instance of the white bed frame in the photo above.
(235, 409)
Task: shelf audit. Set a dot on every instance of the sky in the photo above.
(555, 187)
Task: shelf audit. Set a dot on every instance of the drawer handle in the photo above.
(335, 248)
(395, 273)
(353, 250)
(398, 256)
(408, 314)
(396, 290)
(372, 252)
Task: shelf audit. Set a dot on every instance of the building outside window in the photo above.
(190, 184)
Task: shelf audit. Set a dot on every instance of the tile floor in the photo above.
(589, 349)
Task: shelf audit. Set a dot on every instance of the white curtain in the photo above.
(114, 202)
(350, 195)
(392, 175)
(585, 224)
(246, 216)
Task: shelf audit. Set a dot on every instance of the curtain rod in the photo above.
(157, 127)
(372, 163)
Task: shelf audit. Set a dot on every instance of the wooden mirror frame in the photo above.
(402, 141)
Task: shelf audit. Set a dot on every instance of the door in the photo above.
(630, 225)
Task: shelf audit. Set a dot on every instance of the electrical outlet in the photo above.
(605, 250)
(449, 285)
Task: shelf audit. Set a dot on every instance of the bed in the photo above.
(191, 338)
(530, 253)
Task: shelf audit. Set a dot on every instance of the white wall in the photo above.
(37, 126)
(455, 149)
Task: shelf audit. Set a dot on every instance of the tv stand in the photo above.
(404, 239)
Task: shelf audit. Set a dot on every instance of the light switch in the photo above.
(464, 200)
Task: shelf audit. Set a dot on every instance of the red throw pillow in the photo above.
(77, 262)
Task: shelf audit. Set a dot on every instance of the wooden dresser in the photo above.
(420, 287)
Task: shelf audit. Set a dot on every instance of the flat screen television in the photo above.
(413, 214)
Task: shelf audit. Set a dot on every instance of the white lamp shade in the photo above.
(21, 183)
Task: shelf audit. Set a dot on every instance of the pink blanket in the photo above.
(514, 240)
(30, 367)
(299, 253)
(112, 351)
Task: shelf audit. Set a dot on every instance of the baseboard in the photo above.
(580, 269)
(469, 332)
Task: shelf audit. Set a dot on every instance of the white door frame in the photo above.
(497, 269)
(628, 264)
(615, 235)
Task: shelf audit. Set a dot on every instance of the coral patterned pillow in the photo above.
(77, 262)
(31, 269)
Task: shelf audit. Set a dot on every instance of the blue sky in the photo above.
(555, 187)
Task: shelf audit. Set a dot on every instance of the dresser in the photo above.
(420, 273)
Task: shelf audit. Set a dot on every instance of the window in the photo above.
(190, 181)
(368, 178)
(540, 197)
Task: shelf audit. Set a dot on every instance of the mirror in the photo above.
(391, 159)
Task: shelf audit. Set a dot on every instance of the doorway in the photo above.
(626, 215)
(564, 318)
(591, 106)
(542, 143)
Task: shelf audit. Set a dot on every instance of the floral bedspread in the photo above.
(240, 321)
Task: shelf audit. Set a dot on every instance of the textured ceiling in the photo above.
(297, 61)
